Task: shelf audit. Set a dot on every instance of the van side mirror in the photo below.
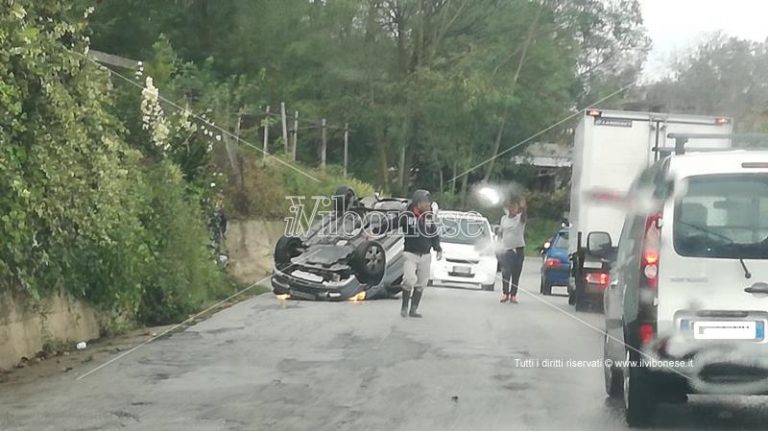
(599, 244)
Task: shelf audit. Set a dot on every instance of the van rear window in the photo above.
(723, 216)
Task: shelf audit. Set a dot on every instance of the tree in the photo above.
(723, 76)
(429, 86)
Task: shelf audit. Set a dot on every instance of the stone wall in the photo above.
(250, 245)
(24, 328)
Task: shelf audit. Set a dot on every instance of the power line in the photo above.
(198, 117)
(545, 130)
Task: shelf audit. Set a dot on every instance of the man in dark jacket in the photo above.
(421, 236)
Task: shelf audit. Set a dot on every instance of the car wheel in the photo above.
(369, 262)
(287, 247)
(546, 288)
(541, 286)
(580, 301)
(614, 385)
(571, 297)
(639, 403)
(489, 287)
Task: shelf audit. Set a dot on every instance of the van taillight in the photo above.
(601, 278)
(647, 331)
(649, 266)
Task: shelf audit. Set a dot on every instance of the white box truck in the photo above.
(610, 149)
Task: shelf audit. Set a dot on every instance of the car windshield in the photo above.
(561, 242)
(458, 230)
(723, 216)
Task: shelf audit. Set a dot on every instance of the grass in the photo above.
(537, 231)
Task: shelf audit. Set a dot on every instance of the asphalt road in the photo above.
(265, 364)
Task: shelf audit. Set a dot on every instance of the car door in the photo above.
(625, 272)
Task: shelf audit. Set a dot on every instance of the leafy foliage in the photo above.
(81, 209)
(426, 84)
(723, 76)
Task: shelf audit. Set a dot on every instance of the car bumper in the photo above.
(482, 273)
(711, 368)
(556, 277)
(286, 284)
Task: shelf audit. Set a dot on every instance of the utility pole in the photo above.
(295, 135)
(232, 151)
(266, 134)
(285, 127)
(346, 147)
(323, 144)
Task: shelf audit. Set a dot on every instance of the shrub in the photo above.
(182, 274)
(266, 186)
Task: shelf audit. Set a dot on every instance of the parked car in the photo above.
(556, 265)
(690, 283)
(469, 258)
(336, 260)
(497, 233)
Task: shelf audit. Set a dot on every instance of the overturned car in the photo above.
(337, 259)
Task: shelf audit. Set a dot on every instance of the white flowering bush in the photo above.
(152, 116)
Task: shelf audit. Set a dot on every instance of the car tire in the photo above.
(287, 247)
(581, 304)
(546, 288)
(571, 298)
(369, 261)
(639, 400)
(489, 287)
(580, 301)
(614, 385)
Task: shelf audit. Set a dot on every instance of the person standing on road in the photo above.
(421, 237)
(513, 244)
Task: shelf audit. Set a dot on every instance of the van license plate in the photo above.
(725, 330)
(462, 270)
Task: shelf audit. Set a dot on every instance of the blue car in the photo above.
(556, 266)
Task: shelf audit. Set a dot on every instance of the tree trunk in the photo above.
(232, 155)
(403, 171)
(496, 148)
(464, 184)
(383, 163)
(453, 181)
(515, 78)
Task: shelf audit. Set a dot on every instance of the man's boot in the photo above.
(406, 298)
(415, 303)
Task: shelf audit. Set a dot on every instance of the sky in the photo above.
(678, 26)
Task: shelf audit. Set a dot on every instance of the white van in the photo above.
(687, 303)
(469, 259)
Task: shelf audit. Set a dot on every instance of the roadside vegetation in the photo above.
(109, 177)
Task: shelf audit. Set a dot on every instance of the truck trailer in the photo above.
(610, 149)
